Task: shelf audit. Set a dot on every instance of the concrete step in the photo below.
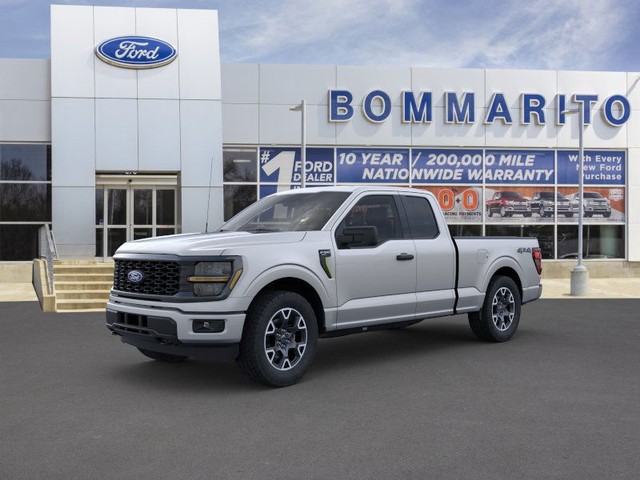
(83, 294)
(93, 285)
(75, 305)
(83, 269)
(83, 277)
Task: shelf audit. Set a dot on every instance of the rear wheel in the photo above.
(497, 320)
(279, 339)
(162, 357)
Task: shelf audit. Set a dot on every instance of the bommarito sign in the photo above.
(459, 108)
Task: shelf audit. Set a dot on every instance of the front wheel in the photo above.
(279, 339)
(498, 319)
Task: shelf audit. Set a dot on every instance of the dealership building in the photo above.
(134, 129)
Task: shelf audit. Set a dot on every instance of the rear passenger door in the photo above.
(435, 256)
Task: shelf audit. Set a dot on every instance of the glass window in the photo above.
(422, 222)
(18, 242)
(115, 238)
(100, 207)
(30, 163)
(239, 164)
(378, 211)
(165, 207)
(300, 212)
(117, 206)
(25, 202)
(142, 206)
(599, 241)
(99, 242)
(465, 230)
(237, 198)
(544, 234)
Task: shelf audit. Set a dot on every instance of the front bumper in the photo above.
(129, 317)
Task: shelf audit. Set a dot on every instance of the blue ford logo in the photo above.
(136, 52)
(135, 276)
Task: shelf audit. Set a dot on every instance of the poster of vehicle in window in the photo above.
(600, 204)
(282, 166)
(524, 204)
(601, 167)
(460, 204)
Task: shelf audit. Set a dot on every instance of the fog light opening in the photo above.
(208, 326)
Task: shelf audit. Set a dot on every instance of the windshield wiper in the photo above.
(262, 230)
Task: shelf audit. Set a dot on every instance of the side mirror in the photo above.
(364, 236)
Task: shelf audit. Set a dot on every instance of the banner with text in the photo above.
(283, 166)
(601, 167)
(447, 166)
(533, 167)
(368, 165)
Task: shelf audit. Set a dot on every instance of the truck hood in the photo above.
(193, 244)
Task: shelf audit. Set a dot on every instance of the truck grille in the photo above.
(158, 277)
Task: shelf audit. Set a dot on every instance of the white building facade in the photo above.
(107, 154)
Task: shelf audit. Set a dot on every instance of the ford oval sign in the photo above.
(135, 276)
(136, 52)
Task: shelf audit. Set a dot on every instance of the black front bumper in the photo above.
(159, 334)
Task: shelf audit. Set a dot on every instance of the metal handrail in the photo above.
(48, 250)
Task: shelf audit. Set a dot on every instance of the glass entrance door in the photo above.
(132, 212)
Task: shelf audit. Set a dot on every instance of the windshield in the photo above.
(511, 195)
(592, 195)
(285, 213)
(547, 195)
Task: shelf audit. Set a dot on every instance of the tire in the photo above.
(274, 350)
(588, 215)
(162, 357)
(606, 215)
(498, 319)
(489, 212)
(527, 214)
(568, 215)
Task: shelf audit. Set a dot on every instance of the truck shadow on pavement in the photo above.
(417, 343)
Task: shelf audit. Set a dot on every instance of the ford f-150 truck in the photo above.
(310, 263)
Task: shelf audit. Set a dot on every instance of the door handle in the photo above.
(404, 256)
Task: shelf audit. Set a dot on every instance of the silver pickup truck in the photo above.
(310, 263)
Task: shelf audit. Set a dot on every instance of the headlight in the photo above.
(210, 278)
(510, 202)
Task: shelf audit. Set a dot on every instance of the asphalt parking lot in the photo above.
(561, 400)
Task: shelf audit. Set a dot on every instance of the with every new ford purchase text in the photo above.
(310, 263)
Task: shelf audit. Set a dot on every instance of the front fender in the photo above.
(291, 271)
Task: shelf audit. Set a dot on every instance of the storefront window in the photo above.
(544, 234)
(239, 164)
(465, 230)
(599, 241)
(237, 198)
(25, 199)
(495, 192)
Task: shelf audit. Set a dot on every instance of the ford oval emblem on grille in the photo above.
(136, 52)
(135, 276)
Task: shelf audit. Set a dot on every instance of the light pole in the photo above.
(580, 274)
(302, 107)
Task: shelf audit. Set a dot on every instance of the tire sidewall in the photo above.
(252, 343)
(494, 286)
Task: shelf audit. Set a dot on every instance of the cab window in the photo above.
(422, 221)
(378, 211)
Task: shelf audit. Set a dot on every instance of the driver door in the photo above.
(376, 283)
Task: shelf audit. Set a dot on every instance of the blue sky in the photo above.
(533, 34)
